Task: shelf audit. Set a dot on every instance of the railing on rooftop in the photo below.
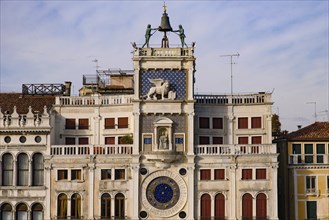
(70, 150)
(235, 149)
(43, 89)
(256, 98)
(94, 100)
(164, 52)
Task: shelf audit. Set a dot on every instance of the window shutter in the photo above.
(109, 140)
(123, 122)
(83, 141)
(243, 123)
(205, 174)
(256, 140)
(261, 174)
(217, 140)
(70, 123)
(83, 123)
(203, 140)
(256, 122)
(109, 123)
(219, 174)
(70, 141)
(203, 122)
(217, 123)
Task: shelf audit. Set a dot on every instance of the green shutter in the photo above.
(311, 210)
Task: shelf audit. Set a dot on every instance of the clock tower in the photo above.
(164, 124)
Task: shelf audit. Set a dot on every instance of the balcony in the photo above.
(308, 159)
(93, 100)
(235, 149)
(71, 150)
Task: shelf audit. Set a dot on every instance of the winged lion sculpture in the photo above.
(161, 88)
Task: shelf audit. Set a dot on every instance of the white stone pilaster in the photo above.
(190, 129)
(47, 205)
(190, 198)
(234, 199)
(91, 167)
(136, 132)
(274, 199)
(135, 190)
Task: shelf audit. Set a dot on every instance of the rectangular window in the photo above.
(261, 174)
(83, 141)
(119, 174)
(243, 140)
(123, 122)
(243, 123)
(327, 184)
(83, 123)
(246, 174)
(217, 123)
(147, 140)
(205, 174)
(203, 140)
(62, 175)
(105, 174)
(256, 140)
(70, 123)
(219, 174)
(75, 174)
(70, 141)
(310, 184)
(109, 140)
(256, 122)
(296, 149)
(204, 122)
(308, 149)
(109, 123)
(217, 140)
(320, 149)
(179, 140)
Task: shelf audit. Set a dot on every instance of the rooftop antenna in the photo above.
(231, 55)
(96, 63)
(314, 103)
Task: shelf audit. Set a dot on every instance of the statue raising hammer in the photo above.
(181, 35)
(148, 34)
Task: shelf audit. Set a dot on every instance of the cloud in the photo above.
(283, 45)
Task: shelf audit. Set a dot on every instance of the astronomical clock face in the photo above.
(164, 193)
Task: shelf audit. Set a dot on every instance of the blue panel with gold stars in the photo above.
(176, 78)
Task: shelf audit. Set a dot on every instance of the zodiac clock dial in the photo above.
(162, 193)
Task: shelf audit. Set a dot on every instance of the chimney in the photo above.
(67, 88)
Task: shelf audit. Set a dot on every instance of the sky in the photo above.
(283, 46)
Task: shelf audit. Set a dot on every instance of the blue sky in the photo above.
(283, 46)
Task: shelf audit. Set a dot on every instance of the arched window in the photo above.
(22, 170)
(220, 207)
(119, 205)
(6, 212)
(21, 212)
(247, 207)
(7, 170)
(37, 212)
(62, 206)
(106, 206)
(261, 207)
(205, 207)
(76, 206)
(37, 167)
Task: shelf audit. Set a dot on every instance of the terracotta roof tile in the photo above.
(22, 103)
(315, 131)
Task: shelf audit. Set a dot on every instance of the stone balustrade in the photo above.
(235, 149)
(29, 120)
(255, 98)
(164, 52)
(71, 150)
(93, 100)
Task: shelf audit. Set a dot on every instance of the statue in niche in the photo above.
(161, 88)
(163, 139)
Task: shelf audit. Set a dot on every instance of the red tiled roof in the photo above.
(22, 103)
(315, 131)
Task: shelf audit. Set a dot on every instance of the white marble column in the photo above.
(135, 190)
(136, 130)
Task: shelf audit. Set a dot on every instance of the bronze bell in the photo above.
(165, 24)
